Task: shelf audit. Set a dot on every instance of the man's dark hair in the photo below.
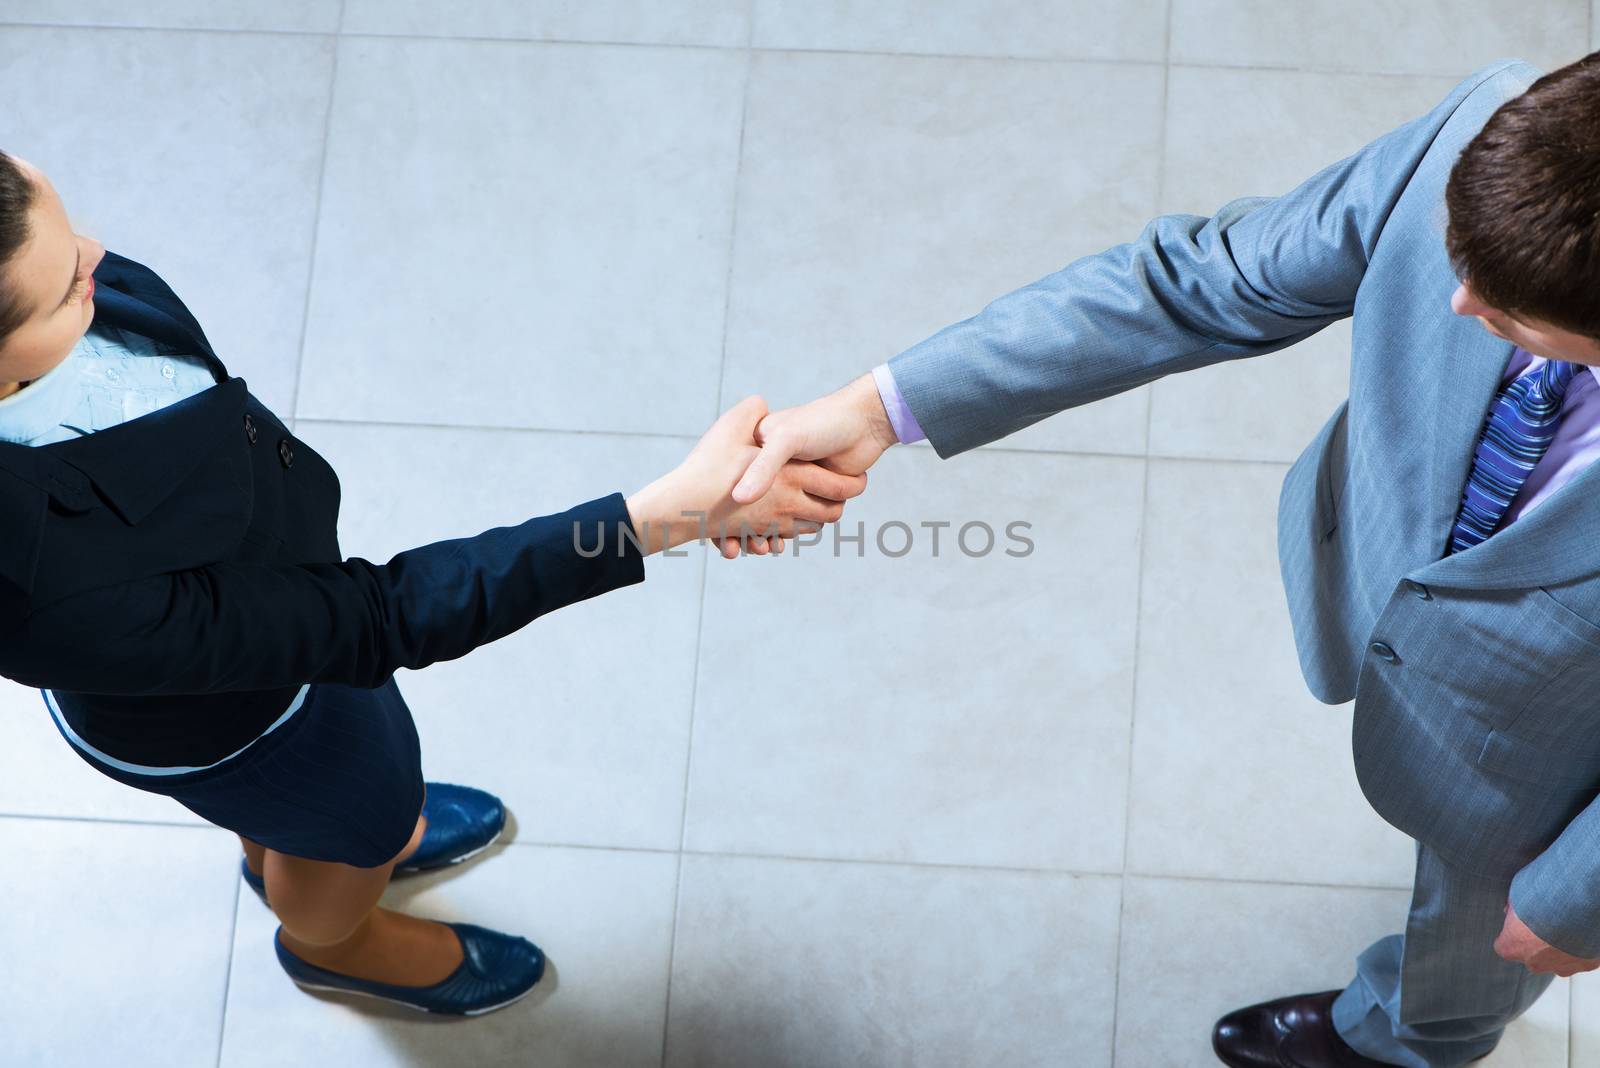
(1524, 203)
(17, 194)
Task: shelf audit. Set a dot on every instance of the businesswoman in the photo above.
(171, 581)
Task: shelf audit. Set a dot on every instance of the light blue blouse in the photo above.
(109, 377)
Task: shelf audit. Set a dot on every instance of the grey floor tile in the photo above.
(45, 777)
(215, 191)
(1262, 408)
(884, 197)
(1238, 772)
(579, 720)
(1193, 950)
(603, 918)
(790, 963)
(116, 940)
(1075, 29)
(524, 234)
(308, 16)
(1369, 35)
(944, 709)
(685, 22)
(1234, 133)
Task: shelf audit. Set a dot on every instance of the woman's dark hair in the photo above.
(1523, 202)
(17, 193)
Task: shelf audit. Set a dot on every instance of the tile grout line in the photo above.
(1138, 594)
(705, 565)
(294, 403)
(316, 227)
(182, 824)
(792, 858)
(668, 436)
(878, 53)
(499, 428)
(1001, 869)
(227, 972)
(683, 814)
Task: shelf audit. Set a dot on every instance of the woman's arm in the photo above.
(248, 626)
(252, 626)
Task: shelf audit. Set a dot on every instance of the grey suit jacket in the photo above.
(1476, 677)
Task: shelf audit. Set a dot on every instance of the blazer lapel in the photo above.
(134, 465)
(137, 464)
(1468, 374)
(1551, 544)
(121, 309)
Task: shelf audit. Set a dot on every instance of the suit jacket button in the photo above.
(250, 428)
(285, 453)
(1384, 651)
(1419, 589)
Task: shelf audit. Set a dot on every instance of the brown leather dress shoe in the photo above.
(1291, 1032)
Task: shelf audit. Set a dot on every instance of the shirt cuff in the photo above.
(905, 424)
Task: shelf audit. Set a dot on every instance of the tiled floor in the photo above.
(495, 259)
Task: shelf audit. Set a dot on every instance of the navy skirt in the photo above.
(339, 780)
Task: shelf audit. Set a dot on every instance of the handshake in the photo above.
(756, 478)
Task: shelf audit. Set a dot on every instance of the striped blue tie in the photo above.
(1519, 428)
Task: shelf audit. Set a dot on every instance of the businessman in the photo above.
(1436, 538)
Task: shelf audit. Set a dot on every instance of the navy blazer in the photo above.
(184, 566)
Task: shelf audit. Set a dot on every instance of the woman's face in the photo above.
(1536, 337)
(50, 275)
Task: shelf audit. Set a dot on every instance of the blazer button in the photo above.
(1384, 651)
(1419, 589)
(285, 453)
(250, 428)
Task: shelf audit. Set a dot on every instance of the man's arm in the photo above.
(1260, 275)
(1558, 894)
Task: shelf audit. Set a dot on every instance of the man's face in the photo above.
(1539, 338)
(51, 277)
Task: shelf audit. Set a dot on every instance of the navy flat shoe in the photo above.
(496, 969)
(462, 822)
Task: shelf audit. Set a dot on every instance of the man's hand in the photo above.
(693, 500)
(846, 431)
(1518, 944)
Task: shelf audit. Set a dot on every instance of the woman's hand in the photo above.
(693, 500)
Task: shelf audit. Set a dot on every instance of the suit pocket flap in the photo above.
(1566, 617)
(1518, 758)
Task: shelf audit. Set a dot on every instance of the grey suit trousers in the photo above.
(1438, 995)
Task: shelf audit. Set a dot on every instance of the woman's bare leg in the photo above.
(254, 853)
(331, 918)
